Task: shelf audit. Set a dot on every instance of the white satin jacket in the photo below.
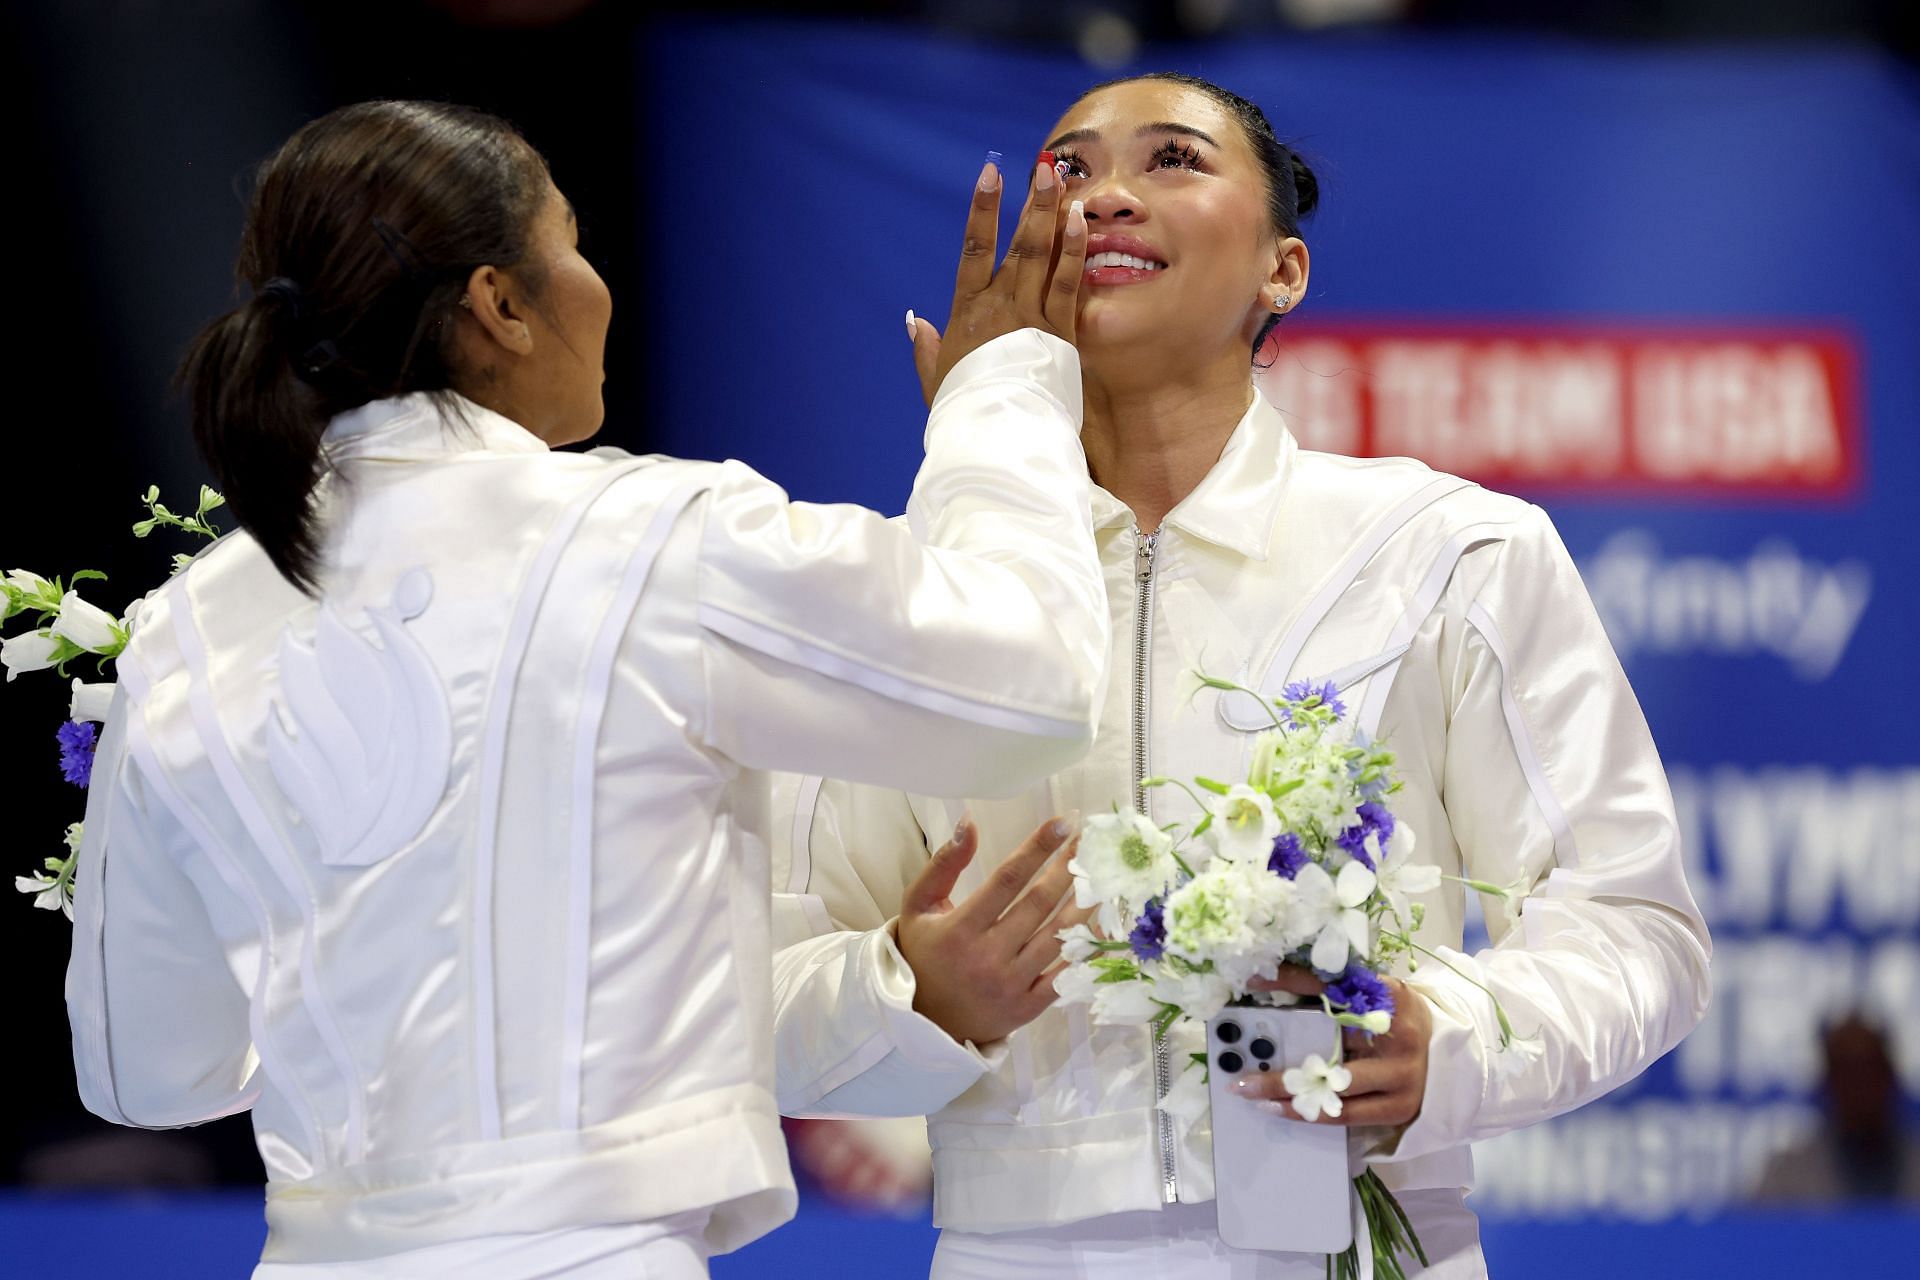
(1454, 622)
(458, 875)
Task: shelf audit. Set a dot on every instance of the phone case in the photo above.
(1279, 1184)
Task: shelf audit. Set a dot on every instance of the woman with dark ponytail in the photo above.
(1451, 621)
(427, 821)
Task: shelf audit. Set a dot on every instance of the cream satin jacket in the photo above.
(458, 875)
(1454, 622)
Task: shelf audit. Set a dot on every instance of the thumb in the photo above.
(933, 886)
(926, 354)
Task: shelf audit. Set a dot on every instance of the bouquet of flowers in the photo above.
(66, 627)
(1304, 863)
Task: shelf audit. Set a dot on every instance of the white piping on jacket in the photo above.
(268, 840)
(141, 751)
(593, 708)
(1530, 763)
(493, 760)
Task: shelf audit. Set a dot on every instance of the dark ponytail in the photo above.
(1292, 190)
(360, 235)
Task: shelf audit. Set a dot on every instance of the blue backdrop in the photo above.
(1516, 183)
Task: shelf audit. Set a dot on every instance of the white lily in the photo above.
(1244, 824)
(90, 701)
(28, 651)
(1186, 1101)
(1316, 1086)
(89, 626)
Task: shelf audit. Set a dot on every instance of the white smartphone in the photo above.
(1279, 1184)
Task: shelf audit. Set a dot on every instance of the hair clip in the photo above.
(399, 248)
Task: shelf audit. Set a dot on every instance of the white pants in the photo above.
(1182, 1242)
(670, 1249)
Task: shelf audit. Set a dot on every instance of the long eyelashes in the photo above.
(1169, 154)
(1183, 154)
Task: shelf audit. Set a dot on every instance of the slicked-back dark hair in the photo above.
(361, 232)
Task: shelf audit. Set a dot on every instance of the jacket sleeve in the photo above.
(846, 1038)
(160, 1027)
(976, 631)
(1552, 782)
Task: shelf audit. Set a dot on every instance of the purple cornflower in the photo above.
(1301, 690)
(1374, 818)
(1288, 857)
(76, 738)
(1360, 990)
(1149, 936)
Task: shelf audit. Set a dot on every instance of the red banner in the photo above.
(1694, 411)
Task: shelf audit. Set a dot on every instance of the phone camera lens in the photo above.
(1261, 1048)
(1231, 1062)
(1229, 1033)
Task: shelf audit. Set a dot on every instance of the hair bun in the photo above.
(1306, 187)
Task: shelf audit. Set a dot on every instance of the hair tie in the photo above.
(284, 291)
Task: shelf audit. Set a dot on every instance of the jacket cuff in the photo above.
(1457, 1066)
(1026, 360)
(915, 1037)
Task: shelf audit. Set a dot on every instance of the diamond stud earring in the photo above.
(1281, 301)
(466, 301)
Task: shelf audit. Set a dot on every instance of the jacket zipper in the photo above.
(1144, 545)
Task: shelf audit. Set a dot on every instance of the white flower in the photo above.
(1186, 1101)
(1077, 943)
(90, 701)
(76, 831)
(89, 626)
(1124, 1004)
(1316, 1086)
(1267, 747)
(1121, 857)
(1513, 897)
(1244, 824)
(1400, 879)
(1233, 914)
(1075, 984)
(24, 581)
(28, 651)
(1516, 1055)
(46, 891)
(1333, 913)
(1199, 995)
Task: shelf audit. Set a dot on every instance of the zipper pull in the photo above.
(1143, 554)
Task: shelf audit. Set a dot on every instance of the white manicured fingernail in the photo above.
(912, 333)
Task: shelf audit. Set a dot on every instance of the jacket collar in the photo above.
(1235, 504)
(413, 428)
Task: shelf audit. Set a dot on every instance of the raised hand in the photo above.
(986, 967)
(1037, 287)
(1389, 1071)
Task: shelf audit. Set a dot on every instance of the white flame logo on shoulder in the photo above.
(365, 762)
